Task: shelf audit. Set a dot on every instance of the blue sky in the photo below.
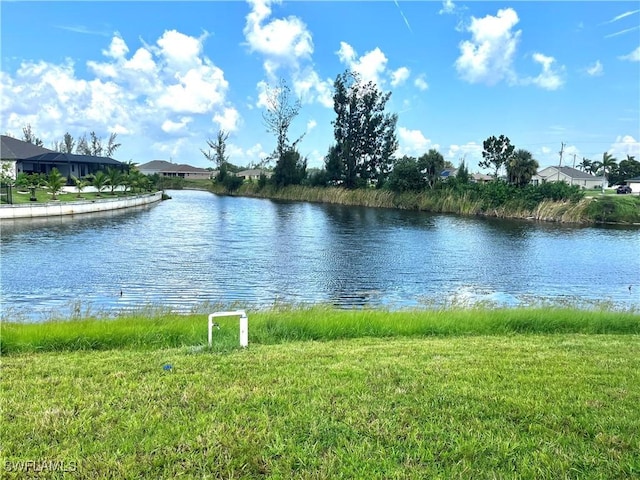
(167, 75)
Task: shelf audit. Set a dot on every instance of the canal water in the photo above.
(199, 252)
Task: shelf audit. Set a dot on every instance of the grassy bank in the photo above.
(613, 209)
(148, 331)
(500, 406)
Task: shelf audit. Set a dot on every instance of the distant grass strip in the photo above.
(299, 324)
(553, 406)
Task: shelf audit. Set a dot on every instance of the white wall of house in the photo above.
(635, 186)
(552, 174)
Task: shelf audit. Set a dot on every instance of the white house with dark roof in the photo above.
(634, 183)
(168, 169)
(568, 175)
(24, 157)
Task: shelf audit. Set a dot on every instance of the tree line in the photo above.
(94, 146)
(365, 143)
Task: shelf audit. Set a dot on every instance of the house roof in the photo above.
(14, 149)
(574, 173)
(164, 166)
(59, 157)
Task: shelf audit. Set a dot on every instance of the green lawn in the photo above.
(352, 403)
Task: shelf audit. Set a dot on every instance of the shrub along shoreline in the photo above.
(624, 209)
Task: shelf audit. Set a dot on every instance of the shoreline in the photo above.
(57, 209)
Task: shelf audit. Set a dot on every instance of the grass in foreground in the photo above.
(502, 406)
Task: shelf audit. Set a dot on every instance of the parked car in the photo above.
(623, 189)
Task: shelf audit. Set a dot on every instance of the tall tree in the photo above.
(83, 147)
(497, 151)
(627, 168)
(96, 145)
(406, 176)
(30, 137)
(365, 135)
(431, 165)
(585, 165)
(281, 110)
(521, 167)
(604, 167)
(112, 146)
(291, 169)
(218, 155)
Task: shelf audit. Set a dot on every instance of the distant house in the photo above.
(168, 169)
(29, 158)
(253, 174)
(568, 175)
(481, 178)
(634, 183)
(448, 173)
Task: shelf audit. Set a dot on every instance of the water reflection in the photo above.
(199, 248)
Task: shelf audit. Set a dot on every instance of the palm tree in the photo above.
(521, 167)
(585, 165)
(55, 181)
(99, 181)
(114, 178)
(605, 167)
(80, 184)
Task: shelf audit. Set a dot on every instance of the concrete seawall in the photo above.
(53, 209)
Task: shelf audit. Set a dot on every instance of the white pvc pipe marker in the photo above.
(244, 325)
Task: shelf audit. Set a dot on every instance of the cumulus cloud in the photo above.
(228, 119)
(595, 70)
(471, 152)
(170, 126)
(550, 78)
(421, 83)
(126, 93)
(369, 66)
(625, 145)
(413, 142)
(400, 76)
(281, 40)
(310, 88)
(633, 56)
(488, 56)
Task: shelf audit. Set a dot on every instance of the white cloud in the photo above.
(309, 88)
(228, 119)
(621, 16)
(174, 127)
(117, 49)
(471, 152)
(488, 57)
(447, 7)
(625, 145)
(400, 76)
(369, 66)
(421, 83)
(311, 124)
(130, 94)
(282, 40)
(251, 156)
(346, 53)
(413, 143)
(633, 56)
(596, 69)
(549, 78)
